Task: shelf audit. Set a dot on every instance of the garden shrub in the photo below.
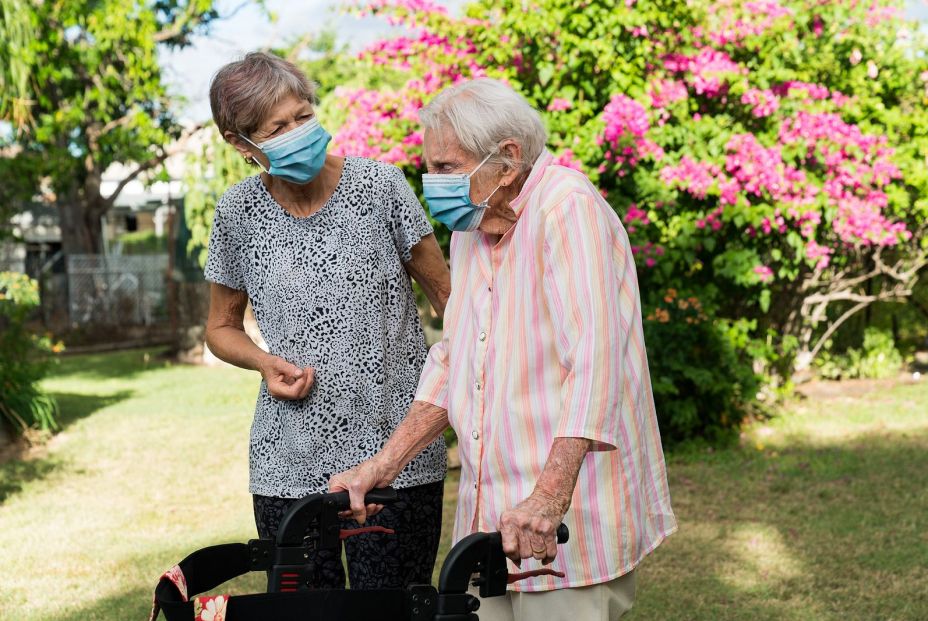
(25, 360)
(877, 358)
(143, 242)
(701, 374)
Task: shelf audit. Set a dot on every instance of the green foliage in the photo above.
(878, 358)
(96, 97)
(209, 172)
(143, 242)
(701, 374)
(26, 358)
(16, 34)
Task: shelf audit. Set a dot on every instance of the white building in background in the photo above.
(141, 206)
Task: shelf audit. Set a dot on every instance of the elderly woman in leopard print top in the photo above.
(323, 247)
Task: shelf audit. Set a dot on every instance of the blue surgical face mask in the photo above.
(296, 156)
(448, 197)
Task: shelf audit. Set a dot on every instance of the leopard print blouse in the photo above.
(329, 291)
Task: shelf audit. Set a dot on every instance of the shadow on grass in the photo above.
(110, 365)
(72, 407)
(807, 533)
(15, 473)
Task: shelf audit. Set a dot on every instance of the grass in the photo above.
(820, 514)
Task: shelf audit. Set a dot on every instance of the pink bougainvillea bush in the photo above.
(768, 158)
(767, 155)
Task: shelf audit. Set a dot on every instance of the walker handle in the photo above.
(378, 496)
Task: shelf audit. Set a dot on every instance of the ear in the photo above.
(512, 150)
(245, 149)
(240, 145)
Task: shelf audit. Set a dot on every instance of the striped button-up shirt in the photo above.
(542, 340)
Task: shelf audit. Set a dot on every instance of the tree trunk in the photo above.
(81, 226)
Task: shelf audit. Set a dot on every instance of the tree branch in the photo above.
(834, 326)
(190, 20)
(154, 161)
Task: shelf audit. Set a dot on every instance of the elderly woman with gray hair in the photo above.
(542, 369)
(323, 247)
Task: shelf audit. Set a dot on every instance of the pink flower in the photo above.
(872, 70)
(763, 102)
(557, 104)
(817, 26)
(709, 70)
(693, 177)
(764, 272)
(665, 92)
(733, 21)
(568, 159)
(855, 56)
(795, 88)
(634, 214)
(820, 254)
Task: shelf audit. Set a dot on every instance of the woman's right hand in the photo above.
(285, 380)
(357, 482)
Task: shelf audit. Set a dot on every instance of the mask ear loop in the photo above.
(253, 158)
(474, 171)
(486, 202)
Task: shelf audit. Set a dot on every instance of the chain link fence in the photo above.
(117, 290)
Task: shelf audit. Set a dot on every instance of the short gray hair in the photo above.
(242, 93)
(484, 112)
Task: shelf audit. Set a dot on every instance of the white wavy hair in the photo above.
(484, 112)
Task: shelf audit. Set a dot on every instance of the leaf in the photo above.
(764, 300)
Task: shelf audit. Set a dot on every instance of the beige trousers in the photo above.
(600, 602)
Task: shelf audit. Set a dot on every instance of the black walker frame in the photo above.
(313, 524)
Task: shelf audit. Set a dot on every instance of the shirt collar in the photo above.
(538, 171)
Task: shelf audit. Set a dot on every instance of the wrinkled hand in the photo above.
(285, 380)
(529, 530)
(357, 482)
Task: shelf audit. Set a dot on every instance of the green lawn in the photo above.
(820, 515)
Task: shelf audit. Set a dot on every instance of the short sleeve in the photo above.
(407, 220)
(225, 259)
(433, 383)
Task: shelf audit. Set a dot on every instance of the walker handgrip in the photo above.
(323, 509)
(563, 534)
(379, 496)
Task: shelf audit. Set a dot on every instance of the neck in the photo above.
(500, 216)
(306, 199)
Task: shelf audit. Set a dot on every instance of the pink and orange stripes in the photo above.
(543, 339)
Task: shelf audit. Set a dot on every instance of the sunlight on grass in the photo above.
(757, 557)
(820, 514)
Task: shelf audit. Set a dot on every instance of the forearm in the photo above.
(438, 296)
(559, 477)
(422, 425)
(233, 345)
(428, 268)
